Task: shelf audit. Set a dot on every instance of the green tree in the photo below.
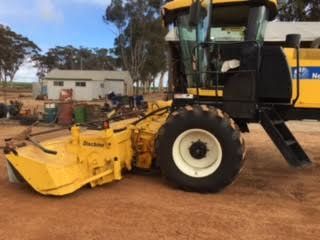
(299, 10)
(69, 57)
(15, 49)
(139, 43)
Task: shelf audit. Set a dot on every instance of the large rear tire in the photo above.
(200, 149)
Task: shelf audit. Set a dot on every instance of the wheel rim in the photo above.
(195, 162)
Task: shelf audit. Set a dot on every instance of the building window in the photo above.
(102, 85)
(58, 83)
(81, 84)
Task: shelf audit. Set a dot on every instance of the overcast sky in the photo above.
(57, 22)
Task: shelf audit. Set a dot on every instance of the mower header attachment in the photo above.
(63, 165)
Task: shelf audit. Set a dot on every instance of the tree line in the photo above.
(72, 58)
(299, 10)
(139, 45)
(140, 39)
(16, 49)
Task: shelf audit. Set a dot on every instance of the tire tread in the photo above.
(224, 121)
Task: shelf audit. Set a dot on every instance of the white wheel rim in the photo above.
(186, 163)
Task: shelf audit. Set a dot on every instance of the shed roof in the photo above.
(277, 31)
(87, 75)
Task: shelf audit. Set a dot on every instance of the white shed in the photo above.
(88, 85)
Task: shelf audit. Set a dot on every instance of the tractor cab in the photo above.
(217, 53)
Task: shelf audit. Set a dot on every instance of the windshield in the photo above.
(229, 23)
(188, 42)
(222, 24)
(238, 23)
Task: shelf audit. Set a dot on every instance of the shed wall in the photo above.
(79, 93)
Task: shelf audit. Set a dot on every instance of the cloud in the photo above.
(14, 8)
(27, 73)
(45, 10)
(102, 3)
(48, 11)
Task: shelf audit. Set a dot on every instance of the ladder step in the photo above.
(283, 138)
(278, 122)
(290, 142)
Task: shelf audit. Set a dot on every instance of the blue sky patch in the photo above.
(51, 23)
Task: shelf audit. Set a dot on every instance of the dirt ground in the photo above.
(269, 200)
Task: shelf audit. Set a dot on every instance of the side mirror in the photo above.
(293, 40)
(195, 13)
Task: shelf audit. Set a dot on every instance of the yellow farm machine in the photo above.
(223, 76)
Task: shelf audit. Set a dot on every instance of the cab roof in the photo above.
(176, 5)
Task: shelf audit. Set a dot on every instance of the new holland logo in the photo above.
(315, 75)
(308, 73)
(92, 144)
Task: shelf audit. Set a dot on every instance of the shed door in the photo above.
(116, 86)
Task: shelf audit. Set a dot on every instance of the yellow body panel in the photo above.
(90, 157)
(178, 4)
(205, 92)
(309, 88)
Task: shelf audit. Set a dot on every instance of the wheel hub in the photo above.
(198, 150)
(197, 153)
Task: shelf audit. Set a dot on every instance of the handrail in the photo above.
(298, 77)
